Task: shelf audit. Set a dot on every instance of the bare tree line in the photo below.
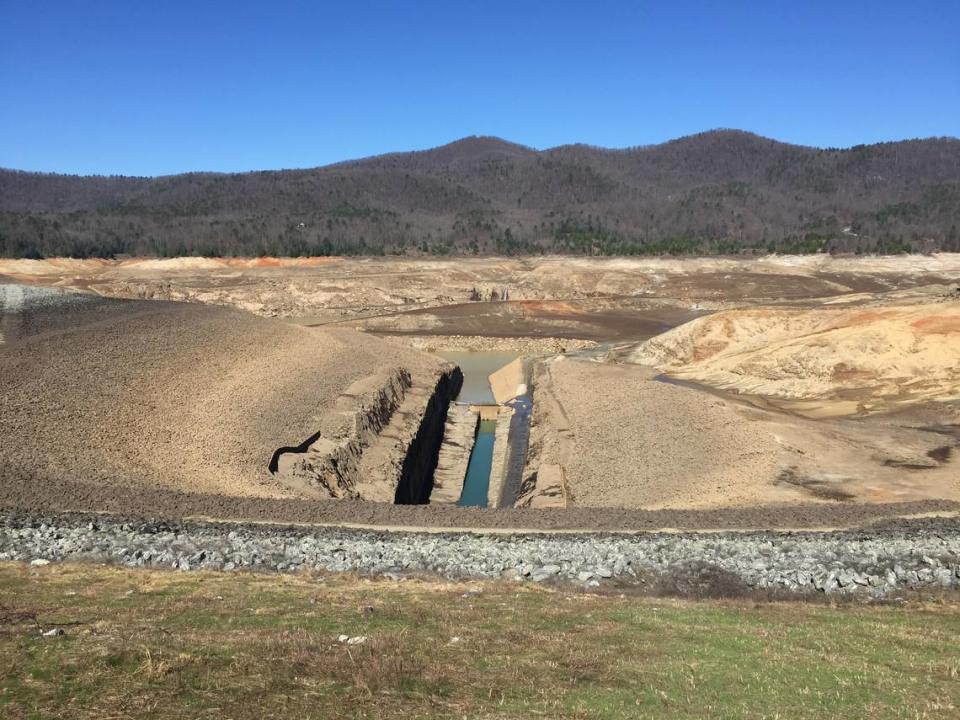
(721, 192)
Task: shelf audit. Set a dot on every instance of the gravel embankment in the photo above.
(892, 556)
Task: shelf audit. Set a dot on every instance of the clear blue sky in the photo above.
(161, 86)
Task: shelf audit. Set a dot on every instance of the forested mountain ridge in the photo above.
(723, 191)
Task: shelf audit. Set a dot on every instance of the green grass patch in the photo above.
(160, 644)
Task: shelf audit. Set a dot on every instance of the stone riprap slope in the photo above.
(903, 555)
(137, 394)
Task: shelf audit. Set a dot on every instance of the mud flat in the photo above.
(572, 297)
(486, 343)
(179, 409)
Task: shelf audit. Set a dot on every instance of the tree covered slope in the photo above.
(719, 192)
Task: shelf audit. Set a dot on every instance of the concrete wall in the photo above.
(459, 435)
(501, 449)
(506, 381)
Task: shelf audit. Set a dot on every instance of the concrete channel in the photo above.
(485, 437)
(459, 438)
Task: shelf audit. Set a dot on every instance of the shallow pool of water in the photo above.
(477, 368)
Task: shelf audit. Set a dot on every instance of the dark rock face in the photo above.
(416, 475)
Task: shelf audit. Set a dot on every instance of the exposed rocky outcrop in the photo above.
(330, 460)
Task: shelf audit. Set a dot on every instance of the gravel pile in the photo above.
(906, 555)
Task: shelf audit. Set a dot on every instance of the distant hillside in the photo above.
(723, 191)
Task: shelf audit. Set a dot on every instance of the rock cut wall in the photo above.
(329, 461)
(416, 474)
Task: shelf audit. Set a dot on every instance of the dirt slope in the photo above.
(173, 395)
(625, 439)
(836, 360)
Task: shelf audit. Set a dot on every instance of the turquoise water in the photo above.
(477, 367)
(477, 483)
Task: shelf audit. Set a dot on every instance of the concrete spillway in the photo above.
(442, 441)
(485, 434)
(518, 440)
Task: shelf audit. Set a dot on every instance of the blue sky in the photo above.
(160, 87)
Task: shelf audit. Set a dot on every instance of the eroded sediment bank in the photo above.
(874, 562)
(330, 460)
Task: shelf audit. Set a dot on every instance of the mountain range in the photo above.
(718, 192)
